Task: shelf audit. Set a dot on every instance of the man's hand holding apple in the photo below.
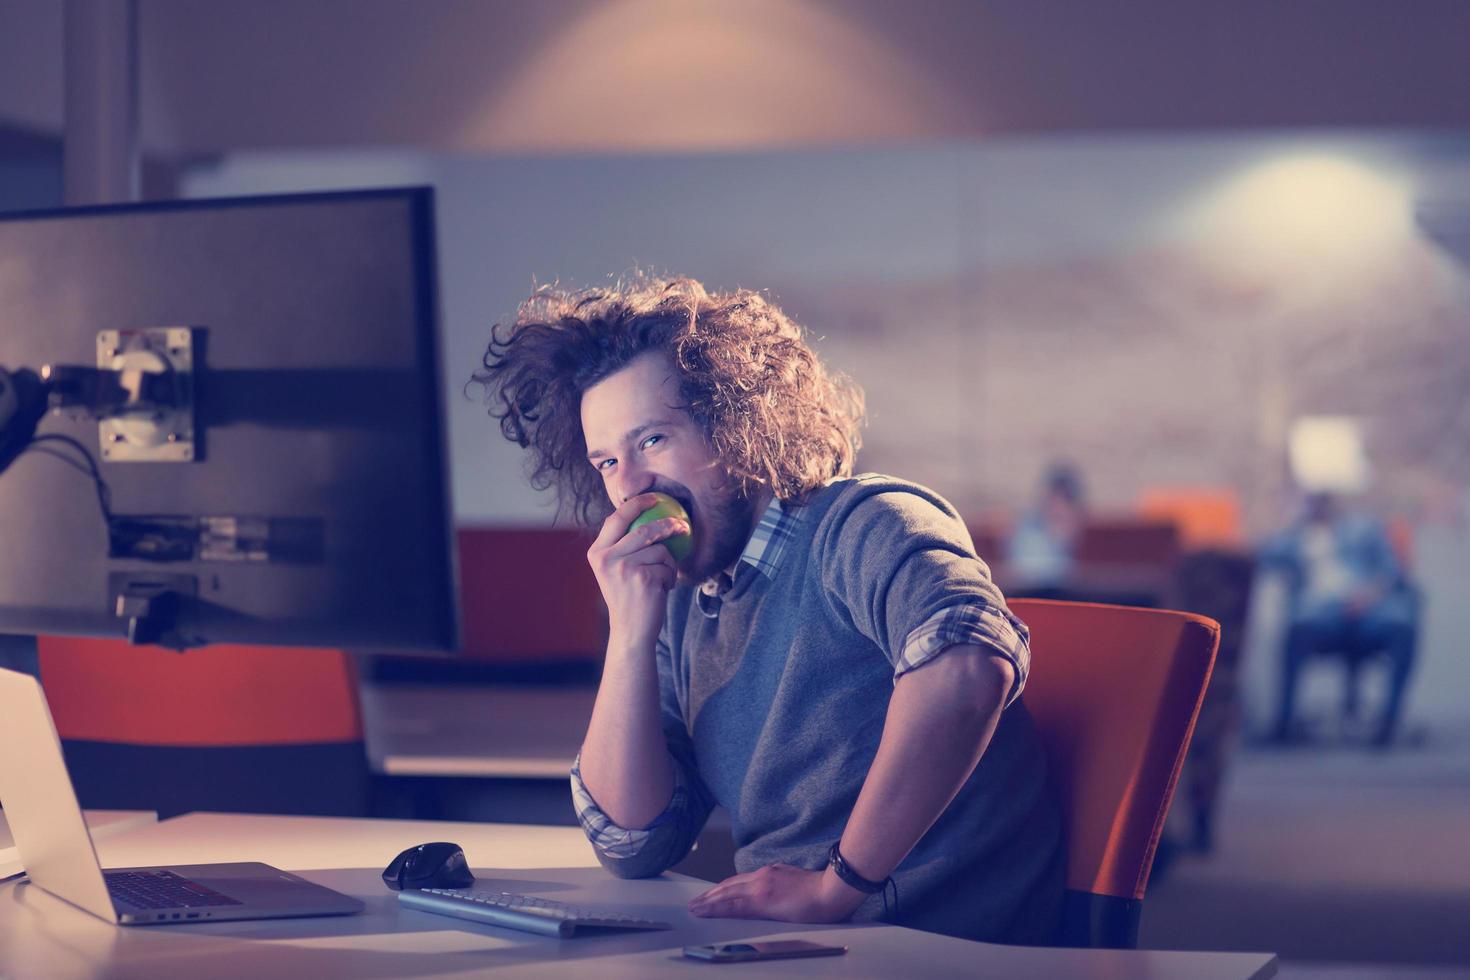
(635, 568)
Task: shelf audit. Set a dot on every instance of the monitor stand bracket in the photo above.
(149, 603)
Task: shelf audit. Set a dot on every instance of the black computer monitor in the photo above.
(257, 381)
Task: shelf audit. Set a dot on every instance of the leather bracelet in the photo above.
(843, 870)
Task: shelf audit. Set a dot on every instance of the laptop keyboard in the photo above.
(161, 890)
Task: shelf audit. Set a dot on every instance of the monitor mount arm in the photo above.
(142, 395)
(132, 399)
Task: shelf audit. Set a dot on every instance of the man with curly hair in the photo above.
(830, 662)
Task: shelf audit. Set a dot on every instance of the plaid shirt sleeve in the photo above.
(608, 837)
(978, 623)
(651, 850)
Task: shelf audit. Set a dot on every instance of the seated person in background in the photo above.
(1041, 548)
(830, 661)
(1349, 596)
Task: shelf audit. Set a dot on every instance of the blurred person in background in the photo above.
(1349, 597)
(1041, 550)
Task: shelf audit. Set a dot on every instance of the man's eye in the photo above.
(649, 441)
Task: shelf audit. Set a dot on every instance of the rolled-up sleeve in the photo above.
(970, 624)
(647, 851)
(901, 568)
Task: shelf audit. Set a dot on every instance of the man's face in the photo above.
(640, 438)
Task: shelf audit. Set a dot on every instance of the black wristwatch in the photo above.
(839, 864)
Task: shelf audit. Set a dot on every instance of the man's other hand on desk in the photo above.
(781, 892)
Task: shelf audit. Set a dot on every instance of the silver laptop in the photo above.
(56, 849)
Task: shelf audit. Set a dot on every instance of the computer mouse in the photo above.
(437, 865)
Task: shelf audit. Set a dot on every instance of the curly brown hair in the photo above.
(773, 415)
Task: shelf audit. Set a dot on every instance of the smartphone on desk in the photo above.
(784, 949)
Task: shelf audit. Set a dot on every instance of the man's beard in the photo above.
(728, 523)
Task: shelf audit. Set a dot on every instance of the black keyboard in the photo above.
(161, 890)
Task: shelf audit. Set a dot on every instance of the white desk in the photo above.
(101, 823)
(43, 936)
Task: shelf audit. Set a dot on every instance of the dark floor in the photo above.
(1333, 856)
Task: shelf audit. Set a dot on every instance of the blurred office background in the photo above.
(1210, 257)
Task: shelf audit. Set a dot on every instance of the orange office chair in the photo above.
(235, 728)
(1207, 517)
(1114, 692)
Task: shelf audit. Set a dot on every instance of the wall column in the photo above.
(100, 153)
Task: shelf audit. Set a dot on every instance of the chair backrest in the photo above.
(1128, 542)
(103, 690)
(232, 728)
(1207, 517)
(1115, 692)
(529, 595)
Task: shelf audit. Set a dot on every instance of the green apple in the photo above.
(680, 544)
